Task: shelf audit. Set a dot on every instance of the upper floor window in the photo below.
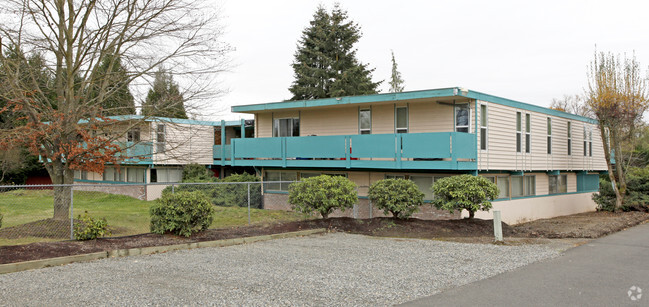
(462, 121)
(286, 127)
(528, 133)
(590, 142)
(133, 135)
(569, 132)
(160, 138)
(549, 135)
(585, 142)
(483, 127)
(365, 121)
(519, 132)
(401, 120)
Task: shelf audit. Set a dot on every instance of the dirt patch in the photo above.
(583, 225)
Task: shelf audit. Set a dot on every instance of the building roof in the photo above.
(178, 120)
(453, 92)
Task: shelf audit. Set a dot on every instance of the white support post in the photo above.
(248, 203)
(498, 227)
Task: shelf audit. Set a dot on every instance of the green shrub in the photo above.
(322, 194)
(605, 199)
(0, 219)
(400, 197)
(182, 213)
(233, 195)
(464, 192)
(637, 191)
(89, 228)
(197, 173)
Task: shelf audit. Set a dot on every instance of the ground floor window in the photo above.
(502, 182)
(167, 174)
(523, 186)
(558, 184)
(82, 175)
(125, 174)
(272, 176)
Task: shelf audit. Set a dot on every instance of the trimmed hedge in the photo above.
(400, 197)
(322, 194)
(183, 213)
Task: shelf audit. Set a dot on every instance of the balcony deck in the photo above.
(138, 153)
(433, 151)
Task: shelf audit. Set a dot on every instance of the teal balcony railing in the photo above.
(138, 153)
(436, 150)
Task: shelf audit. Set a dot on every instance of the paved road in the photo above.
(599, 273)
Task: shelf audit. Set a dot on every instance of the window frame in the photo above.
(455, 110)
(549, 135)
(561, 181)
(133, 135)
(161, 137)
(293, 121)
(398, 129)
(569, 138)
(528, 133)
(360, 121)
(519, 132)
(484, 124)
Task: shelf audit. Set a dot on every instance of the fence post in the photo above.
(173, 191)
(370, 209)
(498, 230)
(248, 203)
(71, 213)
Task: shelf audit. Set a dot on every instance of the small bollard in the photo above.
(498, 227)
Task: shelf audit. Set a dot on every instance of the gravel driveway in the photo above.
(332, 269)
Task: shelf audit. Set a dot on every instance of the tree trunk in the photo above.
(471, 214)
(611, 174)
(61, 175)
(621, 177)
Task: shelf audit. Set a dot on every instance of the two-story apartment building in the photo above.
(156, 148)
(545, 162)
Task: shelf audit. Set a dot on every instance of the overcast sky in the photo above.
(521, 50)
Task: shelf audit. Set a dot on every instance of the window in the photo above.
(365, 121)
(82, 175)
(502, 182)
(286, 127)
(304, 175)
(425, 184)
(519, 132)
(279, 176)
(113, 174)
(585, 142)
(549, 135)
(523, 186)
(160, 138)
(133, 135)
(135, 174)
(528, 135)
(569, 138)
(395, 177)
(401, 120)
(483, 127)
(558, 184)
(462, 118)
(168, 175)
(590, 141)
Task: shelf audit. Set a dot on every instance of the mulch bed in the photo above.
(585, 225)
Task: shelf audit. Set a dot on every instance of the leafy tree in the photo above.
(400, 197)
(617, 95)
(164, 98)
(396, 82)
(114, 82)
(325, 62)
(322, 194)
(67, 129)
(574, 104)
(464, 192)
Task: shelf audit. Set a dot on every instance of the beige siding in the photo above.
(334, 121)
(572, 182)
(264, 125)
(501, 153)
(430, 117)
(186, 144)
(383, 119)
(542, 184)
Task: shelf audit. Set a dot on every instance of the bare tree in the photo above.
(75, 37)
(617, 95)
(574, 104)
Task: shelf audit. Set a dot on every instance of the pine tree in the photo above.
(396, 83)
(164, 98)
(325, 62)
(118, 99)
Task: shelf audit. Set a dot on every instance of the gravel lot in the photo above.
(332, 269)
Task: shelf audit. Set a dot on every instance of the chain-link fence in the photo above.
(41, 213)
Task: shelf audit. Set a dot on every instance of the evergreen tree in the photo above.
(164, 98)
(118, 99)
(325, 62)
(396, 83)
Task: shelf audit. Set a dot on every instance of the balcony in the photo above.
(433, 151)
(138, 153)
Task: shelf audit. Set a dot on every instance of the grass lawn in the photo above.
(126, 215)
